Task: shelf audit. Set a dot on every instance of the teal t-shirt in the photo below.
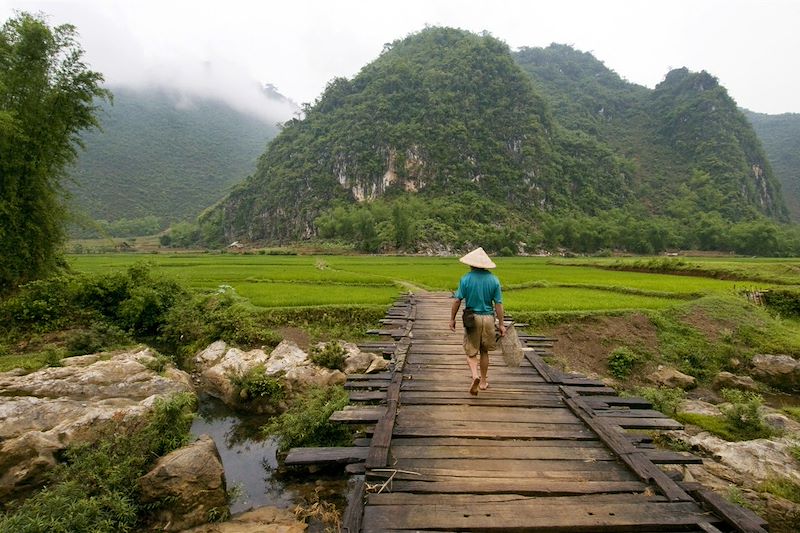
(481, 290)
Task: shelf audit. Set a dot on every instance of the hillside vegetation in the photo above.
(780, 135)
(161, 158)
(448, 140)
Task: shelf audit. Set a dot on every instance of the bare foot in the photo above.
(483, 384)
(474, 388)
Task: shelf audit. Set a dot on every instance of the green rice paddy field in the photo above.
(531, 284)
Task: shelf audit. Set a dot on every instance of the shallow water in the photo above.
(248, 457)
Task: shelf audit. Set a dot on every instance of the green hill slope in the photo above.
(442, 114)
(162, 156)
(687, 125)
(448, 140)
(780, 135)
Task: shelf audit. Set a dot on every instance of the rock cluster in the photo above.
(41, 413)
(219, 364)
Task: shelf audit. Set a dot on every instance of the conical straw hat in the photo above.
(478, 258)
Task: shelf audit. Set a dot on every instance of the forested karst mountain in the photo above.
(687, 125)
(449, 140)
(441, 114)
(780, 135)
(161, 154)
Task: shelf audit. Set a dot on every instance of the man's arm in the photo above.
(498, 311)
(453, 312)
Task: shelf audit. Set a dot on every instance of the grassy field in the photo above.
(530, 284)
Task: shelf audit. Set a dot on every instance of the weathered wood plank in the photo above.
(518, 486)
(309, 456)
(360, 415)
(608, 517)
(489, 452)
(507, 465)
(351, 521)
(382, 436)
(742, 519)
(664, 457)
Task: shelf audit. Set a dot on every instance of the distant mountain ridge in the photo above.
(687, 124)
(161, 153)
(447, 122)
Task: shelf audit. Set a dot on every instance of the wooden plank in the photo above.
(446, 474)
(335, 455)
(382, 436)
(632, 402)
(533, 517)
(742, 519)
(360, 415)
(351, 521)
(635, 459)
(508, 465)
(507, 431)
(663, 457)
(470, 500)
(461, 442)
(489, 452)
(629, 413)
(518, 486)
(643, 423)
(366, 396)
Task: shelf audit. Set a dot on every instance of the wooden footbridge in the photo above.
(538, 451)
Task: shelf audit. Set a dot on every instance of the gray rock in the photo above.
(758, 459)
(781, 371)
(212, 355)
(698, 407)
(216, 379)
(193, 479)
(285, 356)
(669, 377)
(726, 380)
(55, 407)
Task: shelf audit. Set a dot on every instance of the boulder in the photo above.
(726, 380)
(285, 356)
(780, 371)
(261, 520)
(698, 407)
(209, 357)
(43, 412)
(314, 376)
(669, 377)
(193, 480)
(124, 375)
(216, 379)
(758, 459)
(358, 362)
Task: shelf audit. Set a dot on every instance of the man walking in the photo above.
(480, 290)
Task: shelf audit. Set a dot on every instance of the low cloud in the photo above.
(216, 80)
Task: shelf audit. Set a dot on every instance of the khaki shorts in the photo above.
(480, 338)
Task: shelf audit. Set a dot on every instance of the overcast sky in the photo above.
(220, 47)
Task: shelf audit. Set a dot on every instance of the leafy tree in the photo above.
(47, 96)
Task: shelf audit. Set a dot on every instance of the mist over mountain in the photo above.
(168, 153)
(450, 139)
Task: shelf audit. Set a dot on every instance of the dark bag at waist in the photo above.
(468, 317)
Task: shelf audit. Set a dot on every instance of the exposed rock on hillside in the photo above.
(43, 412)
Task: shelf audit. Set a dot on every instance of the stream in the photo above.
(247, 456)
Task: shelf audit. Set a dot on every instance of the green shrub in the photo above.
(95, 488)
(744, 414)
(306, 423)
(793, 412)
(331, 355)
(785, 302)
(100, 336)
(664, 399)
(256, 385)
(622, 361)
